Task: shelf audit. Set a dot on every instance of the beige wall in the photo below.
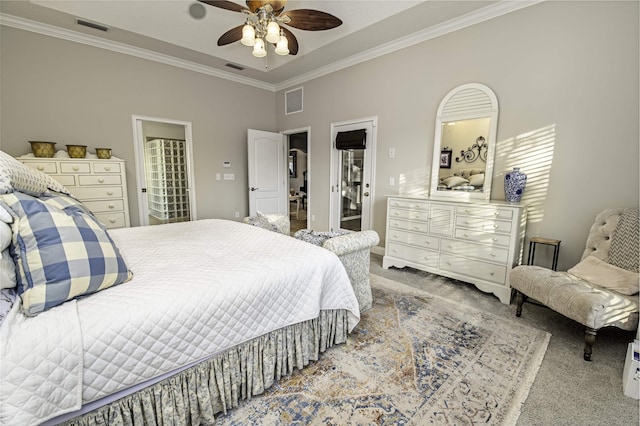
(566, 78)
(565, 73)
(66, 92)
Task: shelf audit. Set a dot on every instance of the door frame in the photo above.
(334, 155)
(306, 130)
(138, 151)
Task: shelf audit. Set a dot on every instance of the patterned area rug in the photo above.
(414, 358)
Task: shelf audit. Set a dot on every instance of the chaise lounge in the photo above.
(602, 290)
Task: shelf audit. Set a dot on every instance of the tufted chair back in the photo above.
(611, 238)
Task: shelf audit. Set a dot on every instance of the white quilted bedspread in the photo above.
(198, 289)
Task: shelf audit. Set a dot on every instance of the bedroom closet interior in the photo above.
(298, 183)
(164, 173)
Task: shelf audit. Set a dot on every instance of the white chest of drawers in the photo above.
(100, 184)
(475, 242)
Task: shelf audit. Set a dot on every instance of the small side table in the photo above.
(533, 242)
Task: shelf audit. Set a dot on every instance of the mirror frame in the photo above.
(465, 102)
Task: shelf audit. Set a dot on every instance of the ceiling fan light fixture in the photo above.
(248, 35)
(258, 49)
(273, 32)
(282, 48)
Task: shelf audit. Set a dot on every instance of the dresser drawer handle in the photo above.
(449, 263)
(466, 221)
(466, 235)
(416, 227)
(427, 242)
(495, 226)
(75, 168)
(467, 211)
(112, 220)
(497, 213)
(450, 246)
(492, 254)
(394, 251)
(494, 240)
(417, 215)
(395, 235)
(41, 168)
(426, 258)
(107, 168)
(491, 273)
(100, 180)
(109, 192)
(111, 206)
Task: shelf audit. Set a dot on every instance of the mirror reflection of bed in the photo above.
(464, 155)
(298, 182)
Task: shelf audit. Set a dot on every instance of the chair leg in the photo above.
(520, 299)
(589, 340)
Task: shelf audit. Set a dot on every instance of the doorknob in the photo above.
(254, 189)
(366, 194)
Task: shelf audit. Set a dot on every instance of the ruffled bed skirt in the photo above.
(195, 395)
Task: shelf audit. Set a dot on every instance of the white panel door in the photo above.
(267, 178)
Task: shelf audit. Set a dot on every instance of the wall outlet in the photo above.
(392, 153)
(237, 214)
(313, 218)
(229, 176)
(392, 181)
(218, 176)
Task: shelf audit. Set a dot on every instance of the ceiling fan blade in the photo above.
(312, 20)
(224, 4)
(293, 41)
(233, 35)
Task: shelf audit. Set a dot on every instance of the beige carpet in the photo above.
(414, 358)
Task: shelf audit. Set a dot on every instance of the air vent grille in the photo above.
(293, 101)
(91, 25)
(234, 66)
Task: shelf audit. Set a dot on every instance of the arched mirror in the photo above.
(464, 143)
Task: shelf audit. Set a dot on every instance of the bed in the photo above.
(208, 313)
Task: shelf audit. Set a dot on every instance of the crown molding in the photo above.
(114, 46)
(476, 17)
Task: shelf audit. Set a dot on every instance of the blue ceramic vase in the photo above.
(514, 183)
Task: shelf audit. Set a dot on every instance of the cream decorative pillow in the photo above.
(476, 180)
(454, 181)
(599, 272)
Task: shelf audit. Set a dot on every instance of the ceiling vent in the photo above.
(91, 25)
(234, 66)
(293, 101)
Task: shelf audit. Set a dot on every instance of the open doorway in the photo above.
(298, 165)
(163, 170)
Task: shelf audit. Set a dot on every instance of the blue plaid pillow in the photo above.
(61, 251)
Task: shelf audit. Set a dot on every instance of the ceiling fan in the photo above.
(264, 24)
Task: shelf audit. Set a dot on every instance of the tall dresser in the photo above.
(100, 184)
(474, 242)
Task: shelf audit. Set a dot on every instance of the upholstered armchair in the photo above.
(354, 251)
(272, 222)
(601, 290)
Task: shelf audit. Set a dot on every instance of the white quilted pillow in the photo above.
(5, 235)
(7, 271)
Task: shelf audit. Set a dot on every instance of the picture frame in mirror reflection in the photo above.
(445, 158)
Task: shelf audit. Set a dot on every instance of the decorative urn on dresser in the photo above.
(514, 184)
